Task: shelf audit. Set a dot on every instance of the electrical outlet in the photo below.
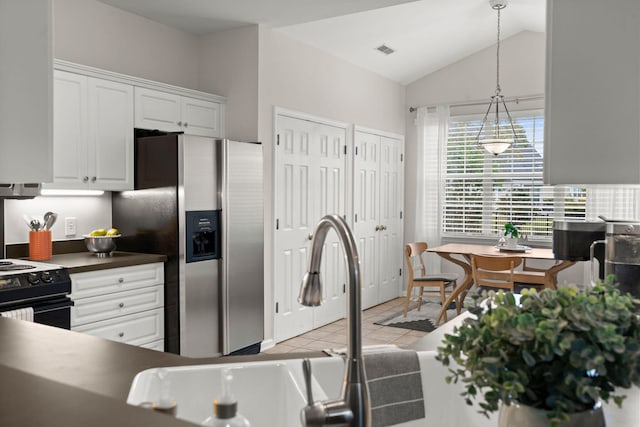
(70, 226)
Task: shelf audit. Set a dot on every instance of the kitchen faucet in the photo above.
(354, 407)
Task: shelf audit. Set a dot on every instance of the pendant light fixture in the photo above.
(497, 132)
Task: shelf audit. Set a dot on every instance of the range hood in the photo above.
(19, 191)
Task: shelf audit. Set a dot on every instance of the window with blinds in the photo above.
(482, 191)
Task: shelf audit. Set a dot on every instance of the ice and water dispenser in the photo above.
(203, 235)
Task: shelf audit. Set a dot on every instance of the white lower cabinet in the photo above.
(121, 304)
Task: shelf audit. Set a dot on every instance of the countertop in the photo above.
(53, 377)
(79, 262)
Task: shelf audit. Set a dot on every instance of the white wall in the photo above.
(229, 67)
(92, 33)
(91, 212)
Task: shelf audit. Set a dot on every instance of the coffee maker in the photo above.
(622, 255)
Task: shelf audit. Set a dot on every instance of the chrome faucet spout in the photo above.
(353, 408)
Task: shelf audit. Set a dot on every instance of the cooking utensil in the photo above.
(49, 220)
(35, 225)
(27, 221)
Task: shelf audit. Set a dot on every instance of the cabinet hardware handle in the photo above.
(180, 123)
(383, 227)
(93, 179)
(378, 228)
(121, 334)
(186, 124)
(121, 305)
(85, 179)
(310, 236)
(120, 280)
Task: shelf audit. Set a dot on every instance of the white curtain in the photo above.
(432, 128)
(622, 203)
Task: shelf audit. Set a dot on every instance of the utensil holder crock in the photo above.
(40, 245)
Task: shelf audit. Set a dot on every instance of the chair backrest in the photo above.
(494, 271)
(412, 252)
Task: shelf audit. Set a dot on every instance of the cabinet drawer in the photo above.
(156, 345)
(102, 307)
(103, 282)
(135, 329)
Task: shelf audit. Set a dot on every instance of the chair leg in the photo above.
(420, 297)
(443, 298)
(406, 302)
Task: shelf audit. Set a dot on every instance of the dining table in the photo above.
(460, 254)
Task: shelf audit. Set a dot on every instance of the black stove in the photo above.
(40, 286)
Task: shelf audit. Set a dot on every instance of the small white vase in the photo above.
(526, 416)
(511, 242)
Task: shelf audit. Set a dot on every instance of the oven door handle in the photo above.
(52, 306)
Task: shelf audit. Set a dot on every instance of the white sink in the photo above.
(273, 393)
(268, 393)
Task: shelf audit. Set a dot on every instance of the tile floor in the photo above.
(334, 335)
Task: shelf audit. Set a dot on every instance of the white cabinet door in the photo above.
(172, 113)
(592, 95)
(200, 117)
(93, 133)
(378, 203)
(310, 172)
(157, 110)
(111, 146)
(26, 49)
(70, 129)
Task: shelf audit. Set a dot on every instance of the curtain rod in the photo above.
(476, 103)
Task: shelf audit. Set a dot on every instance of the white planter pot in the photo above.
(526, 416)
(511, 241)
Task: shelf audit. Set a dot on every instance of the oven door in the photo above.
(52, 311)
(56, 312)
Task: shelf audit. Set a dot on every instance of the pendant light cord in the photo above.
(498, 89)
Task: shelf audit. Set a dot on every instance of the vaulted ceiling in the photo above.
(426, 35)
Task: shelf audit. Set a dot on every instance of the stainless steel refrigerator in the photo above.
(199, 201)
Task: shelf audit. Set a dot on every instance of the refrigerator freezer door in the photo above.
(242, 279)
(200, 331)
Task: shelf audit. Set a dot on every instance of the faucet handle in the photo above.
(306, 370)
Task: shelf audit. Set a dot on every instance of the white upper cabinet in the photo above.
(26, 49)
(592, 92)
(171, 113)
(93, 133)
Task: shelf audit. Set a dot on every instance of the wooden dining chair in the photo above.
(434, 284)
(494, 271)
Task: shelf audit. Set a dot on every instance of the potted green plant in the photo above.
(512, 233)
(559, 353)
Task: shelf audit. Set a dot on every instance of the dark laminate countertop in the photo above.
(56, 377)
(79, 262)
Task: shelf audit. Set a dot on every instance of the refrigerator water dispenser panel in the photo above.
(203, 235)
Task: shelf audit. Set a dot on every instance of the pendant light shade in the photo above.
(497, 132)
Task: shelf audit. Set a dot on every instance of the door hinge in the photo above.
(344, 288)
(278, 139)
(345, 149)
(356, 150)
(277, 224)
(400, 273)
(401, 157)
(277, 307)
(356, 218)
(400, 214)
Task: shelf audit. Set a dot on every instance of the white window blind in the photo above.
(483, 191)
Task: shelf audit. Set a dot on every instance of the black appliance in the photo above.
(38, 286)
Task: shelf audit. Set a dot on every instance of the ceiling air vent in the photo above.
(385, 49)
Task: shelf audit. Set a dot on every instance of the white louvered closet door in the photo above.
(310, 183)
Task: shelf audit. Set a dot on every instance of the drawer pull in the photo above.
(121, 334)
(120, 280)
(121, 305)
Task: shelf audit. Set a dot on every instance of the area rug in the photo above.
(423, 320)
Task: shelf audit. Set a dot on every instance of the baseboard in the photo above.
(267, 344)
